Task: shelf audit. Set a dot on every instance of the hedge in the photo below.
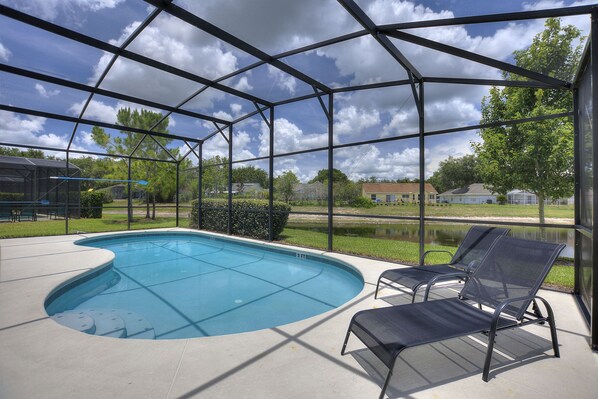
(11, 196)
(249, 217)
(91, 204)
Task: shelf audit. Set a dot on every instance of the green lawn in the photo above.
(561, 276)
(453, 210)
(107, 223)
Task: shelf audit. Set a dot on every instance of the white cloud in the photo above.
(288, 137)
(45, 93)
(4, 53)
(368, 160)
(30, 130)
(236, 109)
(96, 110)
(49, 9)
(282, 80)
(85, 138)
(218, 146)
(243, 84)
(353, 121)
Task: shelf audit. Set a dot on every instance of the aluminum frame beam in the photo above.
(468, 55)
(92, 42)
(226, 37)
(106, 125)
(481, 19)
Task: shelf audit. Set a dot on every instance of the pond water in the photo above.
(438, 234)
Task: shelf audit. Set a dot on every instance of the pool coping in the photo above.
(297, 360)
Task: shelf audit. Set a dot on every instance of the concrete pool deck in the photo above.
(40, 358)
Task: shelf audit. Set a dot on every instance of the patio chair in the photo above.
(506, 282)
(471, 250)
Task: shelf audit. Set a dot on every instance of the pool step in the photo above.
(76, 320)
(115, 323)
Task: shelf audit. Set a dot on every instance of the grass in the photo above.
(560, 277)
(453, 210)
(107, 223)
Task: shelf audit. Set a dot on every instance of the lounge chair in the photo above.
(471, 250)
(506, 282)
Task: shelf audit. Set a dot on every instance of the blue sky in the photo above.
(273, 26)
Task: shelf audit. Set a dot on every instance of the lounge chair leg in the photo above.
(552, 324)
(386, 383)
(491, 336)
(377, 288)
(537, 311)
(346, 341)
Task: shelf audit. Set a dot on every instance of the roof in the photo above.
(472, 189)
(26, 163)
(396, 188)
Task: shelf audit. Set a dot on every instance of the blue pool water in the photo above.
(182, 285)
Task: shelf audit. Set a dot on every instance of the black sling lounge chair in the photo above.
(471, 251)
(506, 282)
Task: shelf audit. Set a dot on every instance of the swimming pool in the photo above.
(182, 285)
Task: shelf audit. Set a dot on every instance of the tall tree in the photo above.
(535, 156)
(455, 173)
(285, 185)
(250, 174)
(337, 176)
(157, 174)
(215, 175)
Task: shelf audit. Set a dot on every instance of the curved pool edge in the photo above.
(306, 253)
(272, 246)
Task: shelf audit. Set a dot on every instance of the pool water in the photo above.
(168, 286)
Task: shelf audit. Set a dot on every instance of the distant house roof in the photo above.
(472, 189)
(23, 162)
(396, 188)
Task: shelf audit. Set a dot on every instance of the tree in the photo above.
(250, 174)
(337, 176)
(94, 168)
(455, 173)
(534, 156)
(285, 185)
(159, 175)
(215, 175)
(28, 153)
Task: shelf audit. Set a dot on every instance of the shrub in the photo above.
(91, 204)
(362, 202)
(501, 199)
(249, 217)
(11, 196)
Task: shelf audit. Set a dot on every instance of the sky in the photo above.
(274, 27)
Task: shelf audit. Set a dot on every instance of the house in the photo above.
(521, 197)
(473, 194)
(398, 192)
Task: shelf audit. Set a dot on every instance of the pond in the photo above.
(437, 234)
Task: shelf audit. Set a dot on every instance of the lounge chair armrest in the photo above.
(501, 307)
(443, 277)
(423, 259)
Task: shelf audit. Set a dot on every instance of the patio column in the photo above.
(199, 184)
(68, 189)
(594, 66)
(271, 178)
(178, 164)
(230, 180)
(330, 168)
(129, 198)
(422, 173)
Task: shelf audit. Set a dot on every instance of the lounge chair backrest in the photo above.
(512, 268)
(476, 243)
